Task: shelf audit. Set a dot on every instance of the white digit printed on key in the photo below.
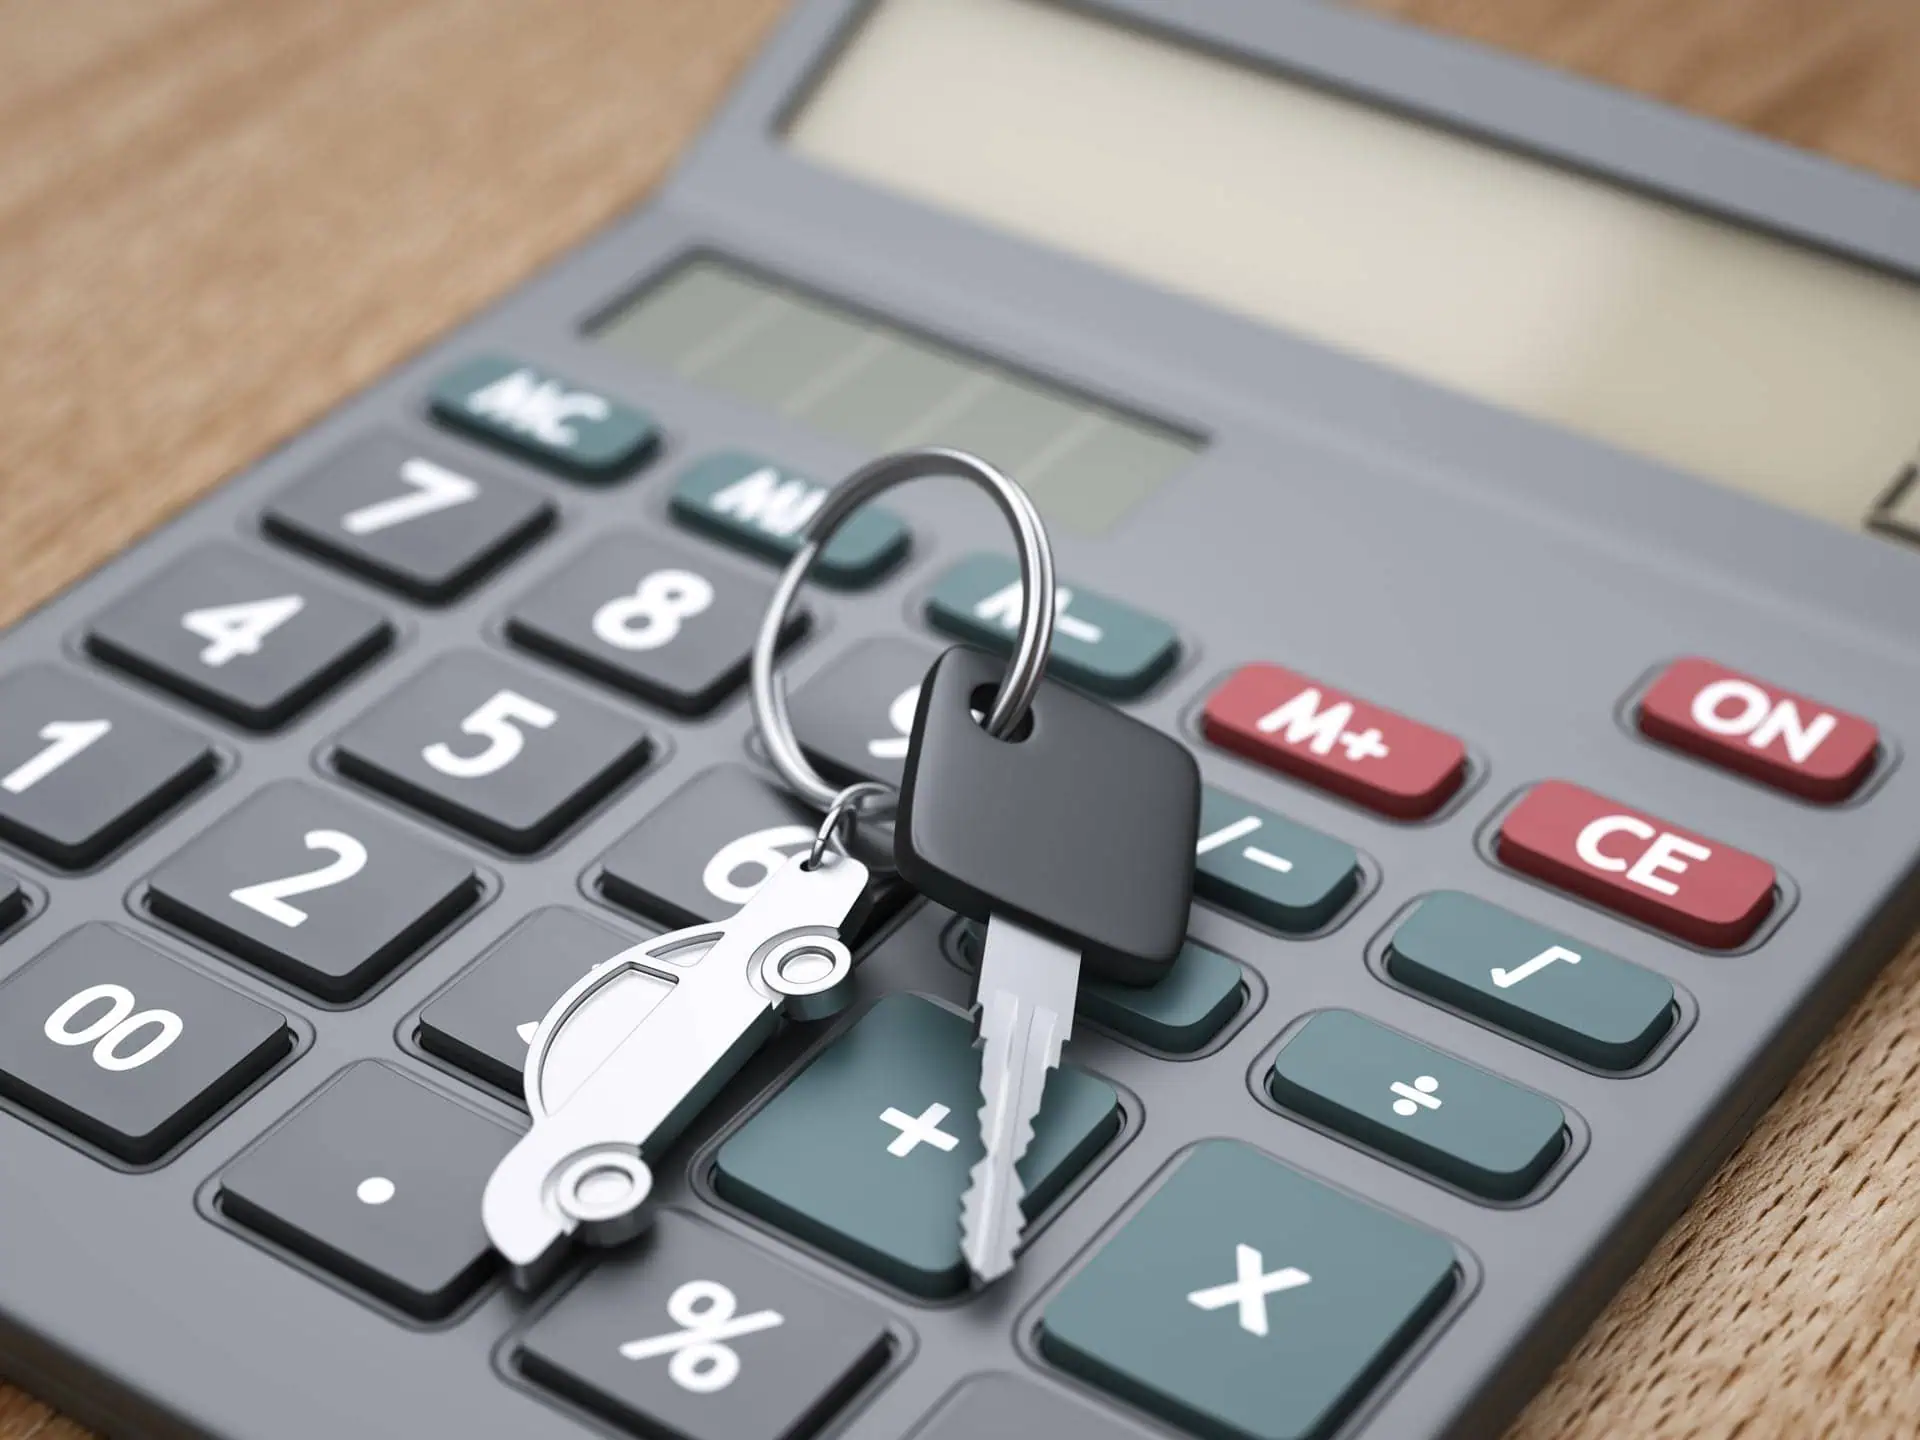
(269, 897)
(653, 614)
(235, 630)
(762, 852)
(900, 716)
(65, 739)
(110, 1031)
(434, 488)
(497, 722)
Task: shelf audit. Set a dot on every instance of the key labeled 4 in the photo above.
(1359, 751)
(1701, 890)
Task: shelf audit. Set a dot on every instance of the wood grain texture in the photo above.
(217, 217)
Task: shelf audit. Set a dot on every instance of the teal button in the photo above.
(1554, 990)
(1244, 1300)
(544, 415)
(756, 506)
(1268, 868)
(1178, 1013)
(1098, 644)
(866, 1153)
(1486, 1135)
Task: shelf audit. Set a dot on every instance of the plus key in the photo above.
(1355, 749)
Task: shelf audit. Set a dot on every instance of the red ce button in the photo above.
(1698, 889)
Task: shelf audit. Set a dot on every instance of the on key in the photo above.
(1074, 837)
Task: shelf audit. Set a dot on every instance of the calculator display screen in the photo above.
(874, 385)
(1787, 373)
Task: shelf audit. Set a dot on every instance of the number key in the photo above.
(853, 718)
(250, 640)
(305, 885)
(421, 519)
(81, 770)
(107, 1037)
(670, 624)
(499, 752)
(702, 854)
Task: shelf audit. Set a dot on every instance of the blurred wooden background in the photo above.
(219, 216)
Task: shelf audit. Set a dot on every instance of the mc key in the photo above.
(1072, 838)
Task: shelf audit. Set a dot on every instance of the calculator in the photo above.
(1504, 486)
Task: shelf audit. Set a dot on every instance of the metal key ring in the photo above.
(1030, 649)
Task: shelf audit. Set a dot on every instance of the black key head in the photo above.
(1083, 826)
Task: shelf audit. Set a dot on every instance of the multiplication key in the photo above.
(1073, 840)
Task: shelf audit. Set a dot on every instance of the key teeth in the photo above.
(989, 1244)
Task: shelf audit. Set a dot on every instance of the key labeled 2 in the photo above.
(498, 751)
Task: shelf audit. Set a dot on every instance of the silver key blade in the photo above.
(1028, 985)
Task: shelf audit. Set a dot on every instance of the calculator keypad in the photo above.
(377, 1179)
(320, 892)
(1703, 891)
(658, 619)
(1489, 1136)
(623, 1342)
(247, 638)
(866, 1152)
(1360, 751)
(108, 1038)
(1551, 988)
(1266, 867)
(1245, 1300)
(854, 717)
(485, 1020)
(84, 769)
(420, 519)
(492, 748)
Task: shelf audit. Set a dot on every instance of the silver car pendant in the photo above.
(634, 1050)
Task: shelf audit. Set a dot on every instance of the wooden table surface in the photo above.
(219, 216)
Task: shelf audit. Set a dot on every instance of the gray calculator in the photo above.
(1504, 487)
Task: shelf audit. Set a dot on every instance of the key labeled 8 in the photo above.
(652, 615)
(112, 1029)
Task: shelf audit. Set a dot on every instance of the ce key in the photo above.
(635, 1049)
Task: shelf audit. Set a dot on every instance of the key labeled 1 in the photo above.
(1073, 839)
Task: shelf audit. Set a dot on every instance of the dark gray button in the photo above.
(105, 1036)
(1178, 1014)
(13, 899)
(249, 639)
(485, 1020)
(699, 1336)
(82, 770)
(378, 1179)
(703, 852)
(999, 1407)
(854, 717)
(867, 1151)
(421, 519)
(1408, 1100)
(1246, 1301)
(319, 891)
(1555, 990)
(1268, 868)
(756, 506)
(495, 749)
(658, 619)
(545, 416)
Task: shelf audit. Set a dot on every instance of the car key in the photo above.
(634, 1050)
(1073, 840)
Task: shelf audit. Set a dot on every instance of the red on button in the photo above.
(1698, 889)
(1364, 752)
(1773, 735)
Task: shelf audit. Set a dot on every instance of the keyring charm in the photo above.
(1035, 639)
